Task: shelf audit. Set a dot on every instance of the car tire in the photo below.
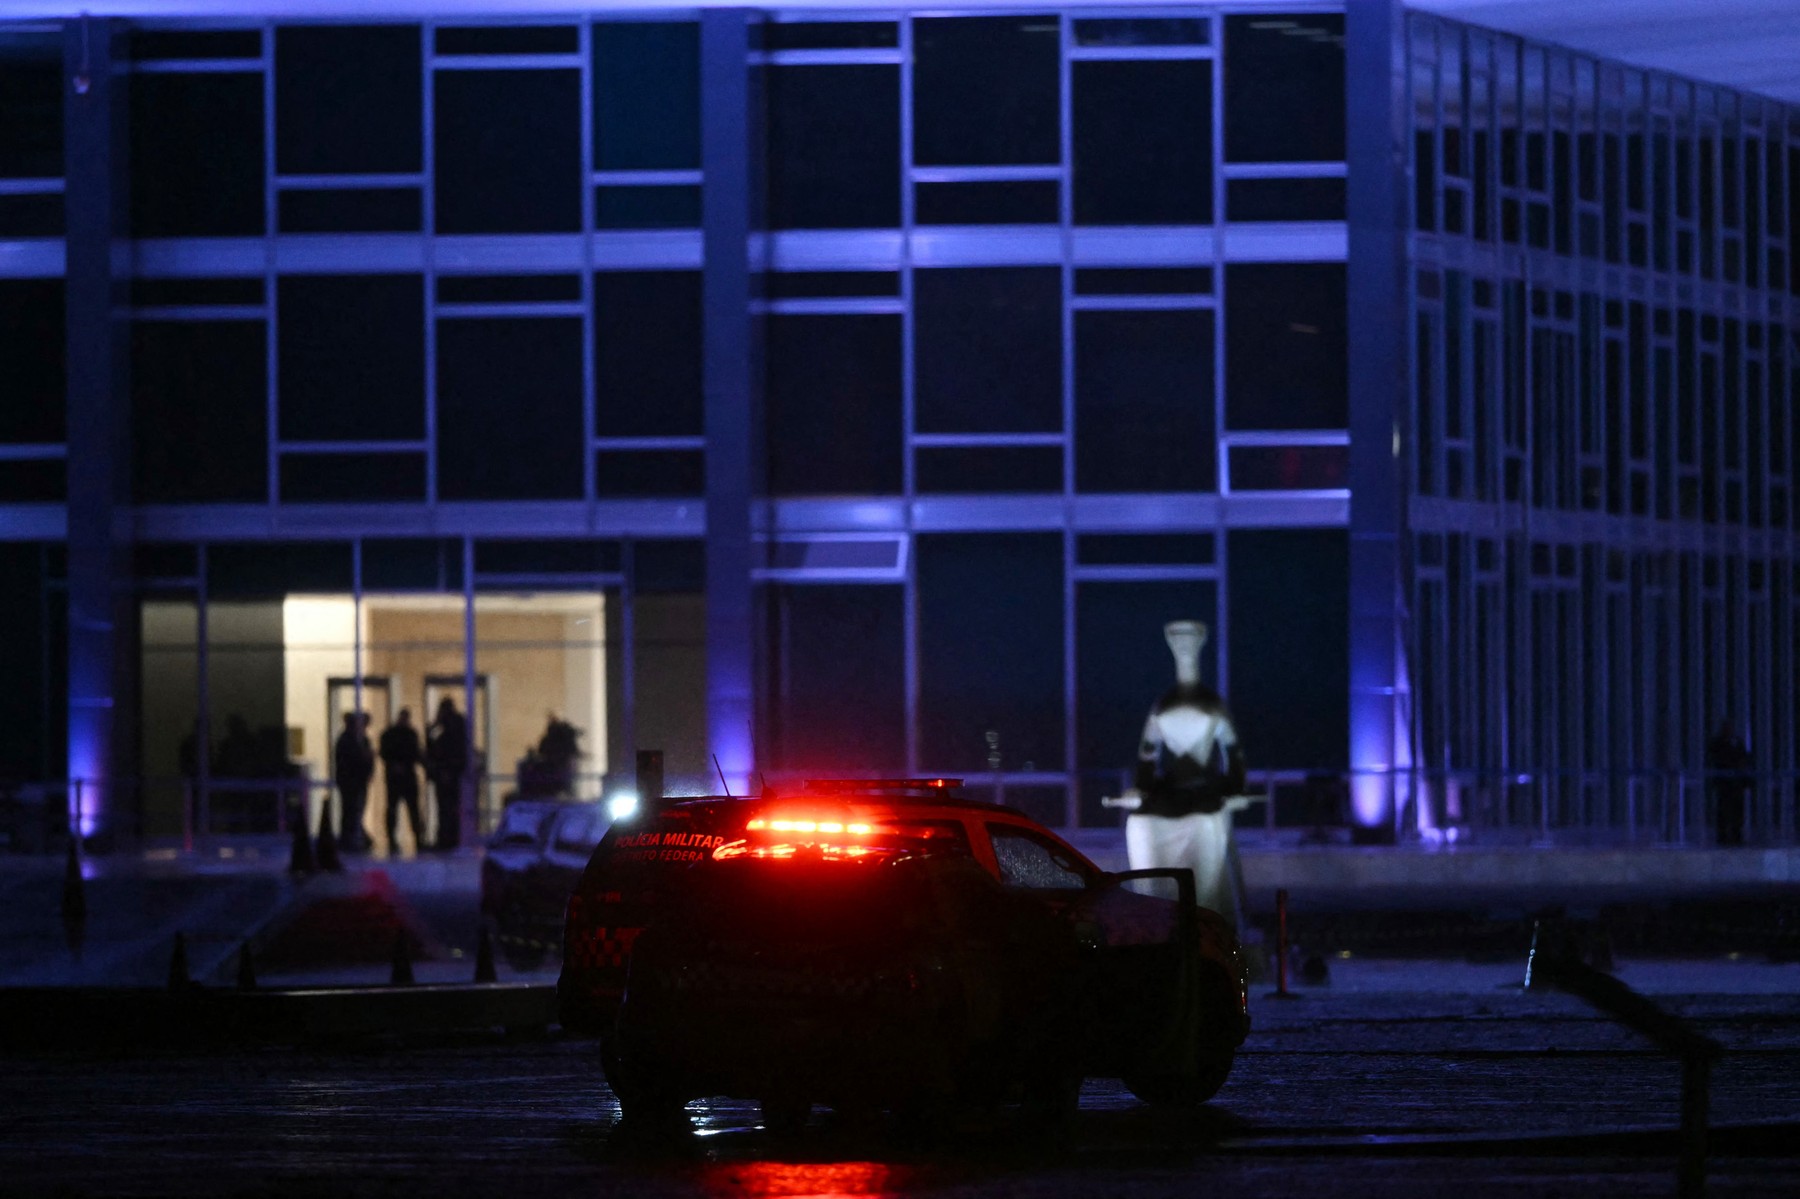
(642, 1101)
(1212, 1061)
(1184, 1090)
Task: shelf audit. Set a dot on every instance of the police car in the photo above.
(888, 944)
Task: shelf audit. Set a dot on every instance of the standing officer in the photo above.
(401, 757)
(353, 760)
(447, 751)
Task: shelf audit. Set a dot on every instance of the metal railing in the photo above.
(1429, 808)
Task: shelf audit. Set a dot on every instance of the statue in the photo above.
(1190, 772)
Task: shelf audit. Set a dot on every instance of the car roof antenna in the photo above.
(722, 782)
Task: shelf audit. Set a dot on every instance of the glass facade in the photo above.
(1605, 361)
(1049, 335)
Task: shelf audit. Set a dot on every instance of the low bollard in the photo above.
(401, 975)
(246, 968)
(74, 903)
(1281, 947)
(178, 965)
(484, 958)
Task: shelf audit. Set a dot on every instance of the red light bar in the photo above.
(926, 784)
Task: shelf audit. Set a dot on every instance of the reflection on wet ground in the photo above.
(1334, 1095)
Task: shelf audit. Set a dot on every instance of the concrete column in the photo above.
(730, 139)
(94, 127)
(1380, 437)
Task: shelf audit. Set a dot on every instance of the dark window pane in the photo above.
(831, 35)
(1144, 549)
(33, 371)
(972, 469)
(1144, 401)
(508, 149)
(280, 568)
(829, 284)
(546, 557)
(838, 685)
(1009, 202)
(358, 210)
(1284, 200)
(665, 567)
(1288, 592)
(324, 478)
(1122, 667)
(989, 350)
(990, 650)
(38, 215)
(1284, 88)
(1143, 31)
(160, 561)
(834, 147)
(508, 289)
(39, 481)
(199, 401)
(197, 155)
(985, 90)
(657, 207)
(509, 409)
(347, 99)
(1289, 467)
(1143, 281)
(1285, 348)
(148, 292)
(646, 95)
(833, 405)
(147, 44)
(31, 106)
(352, 357)
(1143, 143)
(647, 353)
(411, 564)
(508, 39)
(650, 473)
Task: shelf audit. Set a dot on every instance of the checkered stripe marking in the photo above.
(603, 947)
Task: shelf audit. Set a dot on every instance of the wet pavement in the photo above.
(1413, 1078)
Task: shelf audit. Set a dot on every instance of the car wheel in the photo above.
(1184, 1090)
(642, 1100)
(1211, 1064)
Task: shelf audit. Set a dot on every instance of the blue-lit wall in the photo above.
(1047, 347)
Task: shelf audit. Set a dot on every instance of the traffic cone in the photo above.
(300, 860)
(484, 958)
(402, 973)
(178, 965)
(246, 972)
(74, 903)
(328, 846)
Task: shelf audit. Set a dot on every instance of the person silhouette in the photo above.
(401, 757)
(1729, 762)
(447, 758)
(353, 761)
